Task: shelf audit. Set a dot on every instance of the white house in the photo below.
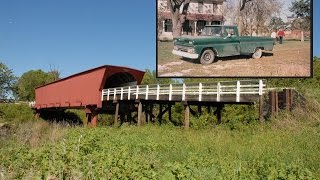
(200, 13)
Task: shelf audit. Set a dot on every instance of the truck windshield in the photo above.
(212, 31)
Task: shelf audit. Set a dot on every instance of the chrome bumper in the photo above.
(185, 54)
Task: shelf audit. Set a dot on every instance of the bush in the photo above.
(15, 113)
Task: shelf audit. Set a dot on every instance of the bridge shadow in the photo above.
(61, 116)
(230, 58)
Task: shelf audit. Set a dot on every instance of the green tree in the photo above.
(150, 77)
(7, 80)
(276, 23)
(25, 87)
(301, 9)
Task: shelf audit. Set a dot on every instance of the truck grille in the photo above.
(183, 48)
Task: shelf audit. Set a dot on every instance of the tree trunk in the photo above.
(178, 14)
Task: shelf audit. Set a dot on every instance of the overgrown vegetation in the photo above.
(279, 150)
(287, 147)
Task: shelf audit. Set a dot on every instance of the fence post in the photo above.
(108, 95)
(218, 91)
(158, 91)
(200, 91)
(238, 92)
(170, 92)
(183, 92)
(129, 91)
(121, 94)
(147, 92)
(137, 92)
(114, 95)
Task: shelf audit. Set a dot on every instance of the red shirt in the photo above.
(281, 33)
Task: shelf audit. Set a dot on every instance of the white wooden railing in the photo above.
(185, 91)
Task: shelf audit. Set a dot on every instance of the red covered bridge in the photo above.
(83, 90)
(117, 90)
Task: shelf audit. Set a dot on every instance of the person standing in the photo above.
(281, 35)
(274, 36)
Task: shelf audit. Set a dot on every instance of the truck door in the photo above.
(231, 41)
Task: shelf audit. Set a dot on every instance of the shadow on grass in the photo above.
(61, 116)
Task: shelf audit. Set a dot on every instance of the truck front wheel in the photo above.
(207, 57)
(257, 54)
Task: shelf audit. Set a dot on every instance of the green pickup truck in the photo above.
(220, 41)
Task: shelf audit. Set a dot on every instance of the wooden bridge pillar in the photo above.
(261, 118)
(209, 109)
(37, 114)
(199, 109)
(91, 115)
(273, 100)
(139, 113)
(288, 99)
(218, 112)
(186, 115)
(170, 112)
(116, 115)
(146, 107)
(160, 113)
(94, 119)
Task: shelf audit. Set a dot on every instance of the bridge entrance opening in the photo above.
(119, 80)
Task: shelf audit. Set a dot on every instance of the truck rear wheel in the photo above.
(257, 54)
(207, 57)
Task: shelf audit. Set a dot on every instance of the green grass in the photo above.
(286, 148)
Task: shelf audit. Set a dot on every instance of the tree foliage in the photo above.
(254, 15)
(7, 80)
(25, 87)
(150, 77)
(276, 23)
(301, 9)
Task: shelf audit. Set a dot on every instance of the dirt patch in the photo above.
(291, 59)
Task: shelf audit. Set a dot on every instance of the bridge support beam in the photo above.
(37, 114)
(186, 115)
(160, 113)
(139, 113)
(261, 118)
(218, 112)
(116, 115)
(91, 115)
(170, 112)
(273, 100)
(288, 99)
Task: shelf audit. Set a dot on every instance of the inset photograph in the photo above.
(233, 38)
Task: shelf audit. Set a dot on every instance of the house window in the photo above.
(200, 7)
(168, 25)
(216, 22)
(214, 7)
(200, 25)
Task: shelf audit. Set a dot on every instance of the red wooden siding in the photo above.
(82, 89)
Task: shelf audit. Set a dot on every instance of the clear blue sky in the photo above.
(316, 28)
(75, 35)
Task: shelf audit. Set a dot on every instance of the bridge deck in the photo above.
(243, 91)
